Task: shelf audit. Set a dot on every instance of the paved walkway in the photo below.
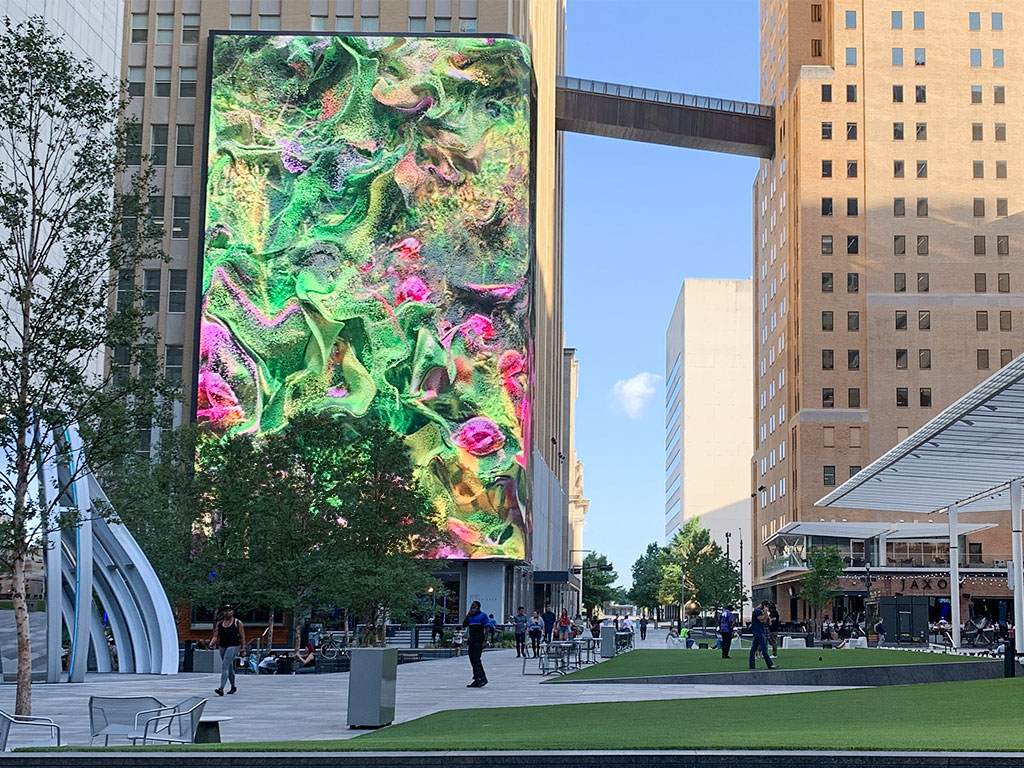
(288, 707)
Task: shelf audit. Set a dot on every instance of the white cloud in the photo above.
(632, 394)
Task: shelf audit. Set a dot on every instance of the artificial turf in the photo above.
(978, 715)
(645, 663)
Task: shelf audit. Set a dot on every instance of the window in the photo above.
(270, 21)
(999, 94)
(177, 286)
(852, 243)
(922, 245)
(924, 319)
(136, 81)
(851, 93)
(851, 169)
(469, 26)
(815, 11)
(140, 27)
(901, 319)
(1003, 282)
(974, 20)
(981, 320)
(922, 282)
(1000, 169)
(851, 19)
(897, 57)
(417, 23)
(826, 92)
(899, 282)
(190, 29)
(344, 24)
(898, 169)
(922, 207)
(156, 210)
(184, 145)
(975, 57)
(826, 282)
(1000, 131)
(975, 94)
(816, 48)
(826, 169)
(925, 397)
(921, 131)
(1005, 320)
(826, 131)
(852, 282)
(828, 360)
(161, 81)
(1002, 206)
(1003, 245)
(442, 24)
(924, 359)
(980, 282)
(918, 19)
(125, 288)
(978, 167)
(979, 207)
(853, 321)
(901, 359)
(318, 23)
(997, 22)
(897, 94)
(1005, 356)
(851, 210)
(902, 397)
(851, 59)
(899, 206)
(851, 131)
(919, 57)
(826, 206)
(997, 57)
(158, 144)
(920, 94)
(854, 469)
(174, 356)
(826, 244)
(853, 359)
(897, 20)
(922, 169)
(853, 397)
(977, 131)
(982, 359)
(187, 82)
(829, 475)
(164, 28)
(826, 321)
(897, 131)
(151, 290)
(369, 24)
(239, 21)
(180, 217)
(979, 245)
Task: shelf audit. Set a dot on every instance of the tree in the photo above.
(712, 580)
(62, 250)
(820, 584)
(647, 576)
(717, 580)
(597, 583)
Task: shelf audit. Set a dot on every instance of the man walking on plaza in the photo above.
(519, 627)
(549, 622)
(229, 636)
(759, 626)
(478, 623)
(643, 628)
(726, 621)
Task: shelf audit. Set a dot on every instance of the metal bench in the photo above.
(7, 721)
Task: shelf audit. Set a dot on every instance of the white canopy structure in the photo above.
(970, 457)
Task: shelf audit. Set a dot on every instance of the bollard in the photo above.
(1009, 661)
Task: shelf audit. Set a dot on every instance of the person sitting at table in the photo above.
(307, 655)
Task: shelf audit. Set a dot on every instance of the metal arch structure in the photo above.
(99, 564)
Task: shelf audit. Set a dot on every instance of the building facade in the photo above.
(708, 419)
(164, 60)
(885, 283)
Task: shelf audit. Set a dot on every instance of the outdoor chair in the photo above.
(118, 716)
(7, 720)
(174, 725)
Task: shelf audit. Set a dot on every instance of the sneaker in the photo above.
(219, 691)
(233, 690)
(474, 684)
(482, 684)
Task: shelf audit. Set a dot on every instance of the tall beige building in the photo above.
(164, 62)
(887, 236)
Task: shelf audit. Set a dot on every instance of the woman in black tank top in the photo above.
(229, 636)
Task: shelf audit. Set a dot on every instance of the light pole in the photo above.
(741, 577)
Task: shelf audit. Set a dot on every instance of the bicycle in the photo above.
(330, 648)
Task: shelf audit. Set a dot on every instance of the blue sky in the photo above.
(639, 218)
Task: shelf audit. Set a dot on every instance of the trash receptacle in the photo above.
(607, 642)
(371, 687)
(188, 663)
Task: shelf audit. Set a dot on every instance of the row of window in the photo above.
(184, 144)
(920, 57)
(924, 395)
(769, 461)
(920, 94)
(924, 316)
(768, 495)
(924, 359)
(829, 473)
(896, 19)
(181, 211)
(165, 28)
(899, 210)
(174, 357)
(177, 285)
(162, 81)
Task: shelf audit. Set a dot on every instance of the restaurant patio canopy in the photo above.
(969, 458)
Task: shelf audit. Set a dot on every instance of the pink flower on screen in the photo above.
(408, 249)
(412, 289)
(510, 363)
(481, 325)
(480, 436)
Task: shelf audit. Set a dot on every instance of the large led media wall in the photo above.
(368, 251)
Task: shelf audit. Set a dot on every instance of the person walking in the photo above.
(437, 630)
(759, 626)
(519, 622)
(774, 627)
(726, 621)
(478, 623)
(229, 636)
(643, 628)
(536, 629)
(549, 622)
(564, 625)
(880, 631)
(457, 640)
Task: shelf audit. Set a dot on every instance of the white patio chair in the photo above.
(173, 725)
(117, 715)
(8, 720)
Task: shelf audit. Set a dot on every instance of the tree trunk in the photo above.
(23, 697)
(344, 618)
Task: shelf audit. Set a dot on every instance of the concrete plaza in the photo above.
(303, 707)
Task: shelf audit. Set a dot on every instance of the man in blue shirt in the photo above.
(549, 622)
(477, 622)
(758, 626)
(725, 624)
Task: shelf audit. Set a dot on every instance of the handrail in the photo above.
(665, 97)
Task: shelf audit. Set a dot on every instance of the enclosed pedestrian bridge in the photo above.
(664, 117)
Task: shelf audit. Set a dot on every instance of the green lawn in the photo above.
(643, 663)
(967, 716)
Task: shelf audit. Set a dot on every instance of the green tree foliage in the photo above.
(647, 576)
(712, 580)
(597, 583)
(62, 252)
(820, 584)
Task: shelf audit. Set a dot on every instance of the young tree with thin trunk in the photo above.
(62, 250)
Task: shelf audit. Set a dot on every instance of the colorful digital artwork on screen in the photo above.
(367, 253)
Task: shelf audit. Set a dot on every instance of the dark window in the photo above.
(826, 206)
(815, 11)
(924, 359)
(925, 397)
(125, 288)
(898, 169)
(897, 94)
(922, 169)
(151, 290)
(817, 48)
(1002, 206)
(1003, 282)
(901, 359)
(828, 397)
(977, 131)
(979, 206)
(1005, 320)
(851, 206)
(851, 131)
(180, 217)
(922, 245)
(851, 93)
(982, 359)
(1005, 356)
(826, 130)
(978, 169)
(852, 243)
(826, 244)
(826, 321)
(921, 131)
(922, 282)
(828, 359)
(897, 131)
(980, 282)
(901, 319)
(186, 140)
(920, 94)
(924, 319)
(826, 90)
(999, 94)
(852, 282)
(826, 282)
(853, 321)
(158, 144)
(981, 320)
(899, 244)
(979, 245)
(855, 468)
(1000, 169)
(922, 206)
(1000, 131)
(899, 206)
(853, 397)
(975, 94)
(1003, 245)
(851, 169)
(826, 169)
(175, 356)
(177, 286)
(899, 282)
(829, 475)
(902, 397)
(853, 359)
